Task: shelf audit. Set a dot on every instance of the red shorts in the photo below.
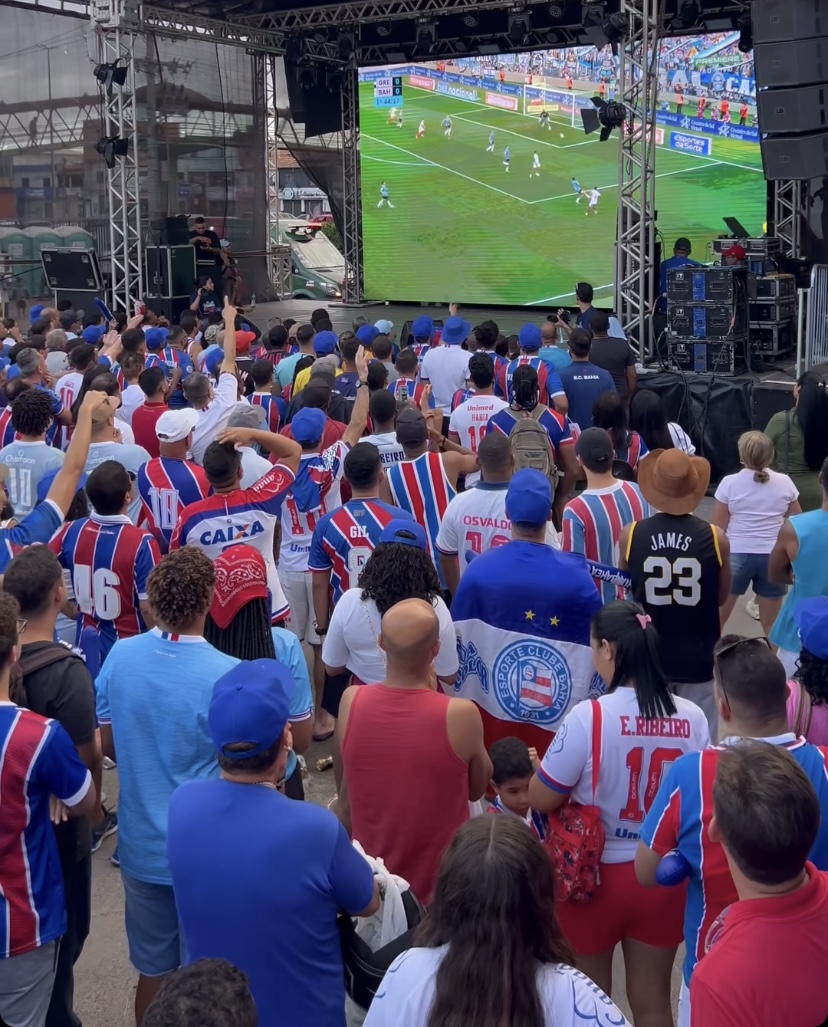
(622, 908)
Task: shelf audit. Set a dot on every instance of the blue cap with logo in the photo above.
(367, 334)
(455, 331)
(529, 337)
(405, 533)
(529, 498)
(308, 425)
(811, 616)
(423, 327)
(250, 704)
(93, 334)
(324, 343)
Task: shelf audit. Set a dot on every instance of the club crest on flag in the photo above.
(532, 681)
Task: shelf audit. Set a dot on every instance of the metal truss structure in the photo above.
(351, 184)
(116, 22)
(638, 88)
(788, 216)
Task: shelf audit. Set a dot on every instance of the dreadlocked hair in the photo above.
(394, 572)
(248, 636)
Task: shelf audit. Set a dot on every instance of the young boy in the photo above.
(274, 407)
(513, 766)
(766, 815)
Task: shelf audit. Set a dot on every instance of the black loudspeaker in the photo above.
(775, 21)
(797, 158)
(792, 63)
(800, 110)
(76, 270)
(169, 270)
(171, 231)
(315, 106)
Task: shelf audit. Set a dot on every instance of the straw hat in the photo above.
(673, 482)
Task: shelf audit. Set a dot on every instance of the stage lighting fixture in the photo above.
(110, 75)
(334, 81)
(689, 13)
(745, 43)
(307, 76)
(346, 46)
(460, 47)
(320, 36)
(556, 10)
(471, 20)
(384, 29)
(425, 38)
(607, 116)
(110, 147)
(294, 50)
(520, 27)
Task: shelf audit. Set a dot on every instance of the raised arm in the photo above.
(359, 414)
(228, 365)
(66, 480)
(285, 450)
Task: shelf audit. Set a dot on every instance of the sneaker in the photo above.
(108, 826)
(109, 764)
(752, 608)
(115, 859)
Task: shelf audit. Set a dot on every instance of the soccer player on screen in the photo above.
(490, 147)
(576, 186)
(400, 120)
(447, 127)
(594, 197)
(421, 130)
(543, 120)
(384, 201)
(507, 158)
(700, 106)
(535, 166)
(393, 115)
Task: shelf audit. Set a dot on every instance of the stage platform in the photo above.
(712, 409)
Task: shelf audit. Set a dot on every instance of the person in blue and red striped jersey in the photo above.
(593, 520)
(423, 337)
(12, 390)
(232, 514)
(171, 482)
(408, 383)
(549, 381)
(174, 357)
(751, 694)
(38, 761)
(277, 346)
(109, 559)
(526, 403)
(275, 408)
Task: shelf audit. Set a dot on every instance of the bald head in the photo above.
(549, 333)
(410, 636)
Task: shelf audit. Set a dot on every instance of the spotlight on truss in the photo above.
(307, 76)
(607, 116)
(519, 28)
(110, 147)
(110, 75)
(346, 46)
(425, 39)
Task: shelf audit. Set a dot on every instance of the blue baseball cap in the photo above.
(423, 327)
(405, 533)
(384, 326)
(155, 337)
(308, 425)
(35, 312)
(46, 481)
(213, 359)
(367, 334)
(529, 498)
(250, 703)
(455, 331)
(324, 343)
(93, 334)
(811, 616)
(529, 337)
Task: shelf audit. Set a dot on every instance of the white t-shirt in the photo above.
(568, 997)
(756, 510)
(594, 197)
(253, 466)
(469, 420)
(352, 640)
(447, 368)
(129, 456)
(391, 452)
(131, 398)
(632, 764)
(213, 418)
(681, 440)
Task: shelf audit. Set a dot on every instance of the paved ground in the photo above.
(105, 981)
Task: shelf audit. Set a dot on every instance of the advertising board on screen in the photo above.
(480, 186)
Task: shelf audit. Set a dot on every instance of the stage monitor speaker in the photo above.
(795, 158)
(793, 111)
(779, 21)
(169, 270)
(77, 270)
(799, 62)
(317, 108)
(170, 231)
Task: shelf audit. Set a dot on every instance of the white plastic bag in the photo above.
(389, 921)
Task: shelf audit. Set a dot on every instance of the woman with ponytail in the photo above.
(751, 507)
(800, 437)
(633, 733)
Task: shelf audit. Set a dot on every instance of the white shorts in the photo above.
(593, 203)
(298, 588)
(684, 1006)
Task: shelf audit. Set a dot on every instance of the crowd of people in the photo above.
(545, 744)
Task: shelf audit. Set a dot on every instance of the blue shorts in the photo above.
(752, 568)
(152, 927)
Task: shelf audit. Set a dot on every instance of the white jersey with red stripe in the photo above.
(317, 490)
(635, 755)
(470, 421)
(250, 516)
(67, 389)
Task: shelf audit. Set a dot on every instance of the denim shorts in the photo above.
(752, 568)
(152, 927)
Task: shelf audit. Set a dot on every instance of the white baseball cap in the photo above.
(383, 326)
(176, 425)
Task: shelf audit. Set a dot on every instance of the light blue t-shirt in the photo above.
(285, 369)
(258, 880)
(810, 569)
(155, 689)
(554, 355)
(127, 454)
(289, 651)
(28, 463)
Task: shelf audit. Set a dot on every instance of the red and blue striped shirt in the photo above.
(421, 487)
(549, 380)
(166, 486)
(268, 403)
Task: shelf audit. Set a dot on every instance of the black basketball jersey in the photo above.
(675, 565)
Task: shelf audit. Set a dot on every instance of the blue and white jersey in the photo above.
(507, 156)
(491, 139)
(384, 191)
(576, 185)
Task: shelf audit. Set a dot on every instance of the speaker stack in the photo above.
(707, 319)
(790, 51)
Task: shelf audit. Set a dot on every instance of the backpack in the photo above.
(575, 838)
(30, 663)
(530, 445)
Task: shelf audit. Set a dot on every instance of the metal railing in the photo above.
(816, 334)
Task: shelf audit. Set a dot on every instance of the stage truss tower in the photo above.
(116, 26)
(351, 186)
(635, 252)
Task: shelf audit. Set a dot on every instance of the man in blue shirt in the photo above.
(680, 258)
(583, 382)
(259, 879)
(152, 695)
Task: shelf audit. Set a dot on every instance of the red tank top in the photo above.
(408, 788)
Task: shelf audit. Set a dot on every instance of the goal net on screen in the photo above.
(562, 105)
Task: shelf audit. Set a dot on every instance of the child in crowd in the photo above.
(513, 767)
